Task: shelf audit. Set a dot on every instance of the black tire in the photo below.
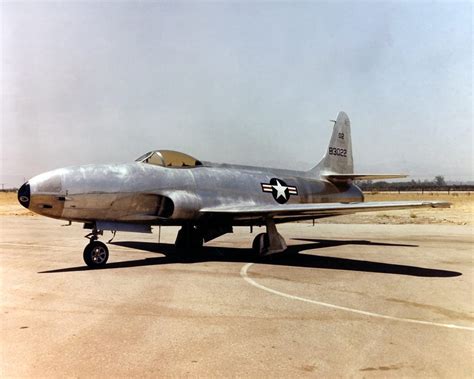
(257, 242)
(197, 240)
(96, 254)
(189, 239)
(182, 239)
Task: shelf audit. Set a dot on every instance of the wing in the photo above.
(291, 212)
(345, 177)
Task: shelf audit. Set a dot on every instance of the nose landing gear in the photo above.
(96, 253)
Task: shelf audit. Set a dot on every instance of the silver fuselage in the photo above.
(143, 193)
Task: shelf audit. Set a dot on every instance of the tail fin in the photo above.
(338, 157)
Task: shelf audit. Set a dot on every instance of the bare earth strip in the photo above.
(460, 213)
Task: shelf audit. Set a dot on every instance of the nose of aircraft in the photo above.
(24, 195)
(42, 194)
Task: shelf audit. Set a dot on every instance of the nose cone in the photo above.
(24, 194)
(42, 194)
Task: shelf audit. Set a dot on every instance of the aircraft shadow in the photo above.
(292, 258)
(329, 243)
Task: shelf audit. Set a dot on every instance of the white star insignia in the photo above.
(280, 190)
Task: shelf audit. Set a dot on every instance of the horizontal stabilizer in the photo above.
(345, 177)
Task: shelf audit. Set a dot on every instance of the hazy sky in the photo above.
(252, 83)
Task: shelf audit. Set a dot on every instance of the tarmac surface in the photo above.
(349, 300)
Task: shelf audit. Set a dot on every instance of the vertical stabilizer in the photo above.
(338, 157)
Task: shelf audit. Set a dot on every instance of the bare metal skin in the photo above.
(131, 192)
(207, 199)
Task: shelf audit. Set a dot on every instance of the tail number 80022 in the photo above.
(338, 151)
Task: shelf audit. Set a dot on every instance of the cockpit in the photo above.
(169, 158)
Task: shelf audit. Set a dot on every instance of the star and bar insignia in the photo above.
(280, 191)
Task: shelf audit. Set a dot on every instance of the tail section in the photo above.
(338, 157)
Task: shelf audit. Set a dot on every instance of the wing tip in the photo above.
(439, 204)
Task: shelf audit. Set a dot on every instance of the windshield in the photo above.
(168, 158)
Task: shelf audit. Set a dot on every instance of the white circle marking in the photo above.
(244, 275)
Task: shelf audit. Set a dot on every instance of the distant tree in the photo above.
(439, 181)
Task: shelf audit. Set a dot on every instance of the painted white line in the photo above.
(245, 276)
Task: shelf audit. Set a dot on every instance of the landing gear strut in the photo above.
(96, 253)
(270, 242)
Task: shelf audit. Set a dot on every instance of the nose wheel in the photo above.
(96, 254)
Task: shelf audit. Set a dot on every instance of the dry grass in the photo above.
(460, 213)
(9, 205)
(458, 199)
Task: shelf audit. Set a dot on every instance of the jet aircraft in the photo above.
(206, 199)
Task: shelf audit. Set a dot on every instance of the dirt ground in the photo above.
(460, 213)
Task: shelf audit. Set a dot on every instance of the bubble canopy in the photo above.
(169, 158)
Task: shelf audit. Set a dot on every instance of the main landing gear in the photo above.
(96, 253)
(270, 242)
(189, 237)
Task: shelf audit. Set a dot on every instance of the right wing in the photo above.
(345, 177)
(305, 211)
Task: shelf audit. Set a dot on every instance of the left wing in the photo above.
(295, 211)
